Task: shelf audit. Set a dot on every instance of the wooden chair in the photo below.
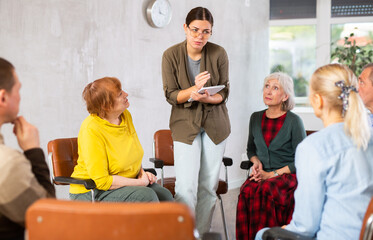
(164, 156)
(64, 220)
(309, 132)
(63, 156)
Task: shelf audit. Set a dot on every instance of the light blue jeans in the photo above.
(197, 168)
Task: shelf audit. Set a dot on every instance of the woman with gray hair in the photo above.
(266, 198)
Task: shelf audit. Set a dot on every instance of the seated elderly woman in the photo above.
(334, 165)
(266, 197)
(109, 150)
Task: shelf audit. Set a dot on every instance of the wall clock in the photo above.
(159, 13)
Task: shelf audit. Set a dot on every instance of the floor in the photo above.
(229, 203)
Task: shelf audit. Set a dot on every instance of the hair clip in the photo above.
(345, 94)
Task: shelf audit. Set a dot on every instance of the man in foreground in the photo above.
(24, 177)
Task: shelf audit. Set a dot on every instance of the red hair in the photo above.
(100, 95)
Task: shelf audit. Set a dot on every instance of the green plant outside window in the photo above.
(352, 45)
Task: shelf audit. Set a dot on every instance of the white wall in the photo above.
(310, 121)
(58, 46)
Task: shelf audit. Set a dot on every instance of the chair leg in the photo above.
(93, 195)
(223, 217)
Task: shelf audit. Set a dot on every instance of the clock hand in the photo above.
(161, 12)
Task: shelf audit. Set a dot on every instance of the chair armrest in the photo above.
(227, 161)
(151, 170)
(88, 183)
(158, 163)
(246, 165)
(278, 233)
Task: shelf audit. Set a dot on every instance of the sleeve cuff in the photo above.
(35, 154)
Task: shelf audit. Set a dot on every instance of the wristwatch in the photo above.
(276, 173)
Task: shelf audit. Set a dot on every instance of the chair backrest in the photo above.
(60, 219)
(64, 155)
(309, 132)
(366, 232)
(164, 146)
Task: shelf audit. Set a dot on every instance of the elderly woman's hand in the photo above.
(143, 177)
(258, 174)
(261, 175)
(257, 165)
(256, 169)
(152, 178)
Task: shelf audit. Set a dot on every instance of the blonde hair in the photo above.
(323, 82)
(287, 85)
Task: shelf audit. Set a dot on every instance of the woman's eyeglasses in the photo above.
(195, 33)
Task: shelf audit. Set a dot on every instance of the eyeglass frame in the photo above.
(204, 34)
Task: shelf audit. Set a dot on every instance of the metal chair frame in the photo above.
(368, 230)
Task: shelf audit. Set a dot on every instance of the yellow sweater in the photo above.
(107, 149)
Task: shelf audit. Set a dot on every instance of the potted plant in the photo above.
(352, 55)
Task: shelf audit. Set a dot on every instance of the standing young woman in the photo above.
(200, 127)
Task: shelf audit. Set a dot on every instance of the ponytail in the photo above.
(356, 121)
(337, 84)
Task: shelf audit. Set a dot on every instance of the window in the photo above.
(362, 36)
(304, 32)
(292, 50)
(363, 33)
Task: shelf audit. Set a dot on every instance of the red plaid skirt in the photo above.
(265, 204)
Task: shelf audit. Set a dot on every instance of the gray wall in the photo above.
(58, 46)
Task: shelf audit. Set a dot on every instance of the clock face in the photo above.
(159, 13)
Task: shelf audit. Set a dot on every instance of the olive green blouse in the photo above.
(188, 118)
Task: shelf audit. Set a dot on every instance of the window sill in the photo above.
(303, 109)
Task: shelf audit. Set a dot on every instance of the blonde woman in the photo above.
(334, 165)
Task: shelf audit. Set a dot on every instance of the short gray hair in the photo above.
(287, 84)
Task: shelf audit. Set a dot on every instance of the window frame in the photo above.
(323, 22)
